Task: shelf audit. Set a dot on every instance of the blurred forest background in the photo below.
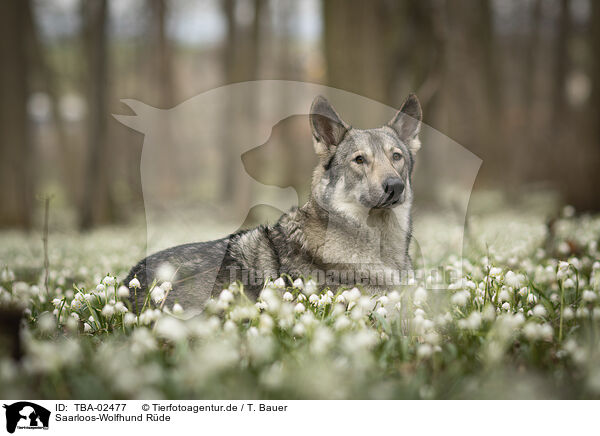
(517, 82)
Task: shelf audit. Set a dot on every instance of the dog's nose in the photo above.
(393, 187)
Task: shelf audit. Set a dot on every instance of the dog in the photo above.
(355, 229)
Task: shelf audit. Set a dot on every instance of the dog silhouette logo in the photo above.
(26, 415)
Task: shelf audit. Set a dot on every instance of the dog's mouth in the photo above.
(390, 201)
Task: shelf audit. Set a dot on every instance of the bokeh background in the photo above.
(515, 82)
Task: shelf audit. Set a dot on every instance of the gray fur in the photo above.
(350, 225)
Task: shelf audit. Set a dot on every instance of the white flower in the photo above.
(265, 323)
(322, 339)
(142, 341)
(108, 310)
(424, 351)
(72, 324)
(589, 296)
(568, 314)
(299, 330)
(109, 281)
(100, 288)
(226, 296)
(472, 322)
(166, 286)
(563, 269)
(157, 294)
(299, 308)
(229, 326)
(123, 292)
(134, 283)
(342, 323)
(120, 307)
(310, 287)
(324, 300)
(506, 306)
(279, 283)
(149, 316)
(539, 310)
(420, 295)
(129, 319)
(47, 322)
(365, 303)
(569, 283)
(495, 272)
(353, 294)
(177, 309)
(564, 247)
(313, 299)
(298, 284)
(460, 298)
(165, 272)
(171, 328)
(288, 296)
(381, 311)
(546, 332)
(394, 297)
(340, 299)
(513, 280)
(531, 298)
(504, 295)
(531, 331)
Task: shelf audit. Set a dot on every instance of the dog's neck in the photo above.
(339, 238)
(382, 219)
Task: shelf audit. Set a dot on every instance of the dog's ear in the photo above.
(327, 127)
(407, 122)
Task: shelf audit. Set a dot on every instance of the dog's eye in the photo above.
(396, 156)
(359, 160)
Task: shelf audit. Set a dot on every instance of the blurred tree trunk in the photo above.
(16, 151)
(361, 45)
(484, 28)
(161, 55)
(595, 49)
(161, 89)
(471, 87)
(530, 60)
(593, 202)
(240, 62)
(521, 168)
(96, 204)
(41, 63)
(561, 62)
(232, 75)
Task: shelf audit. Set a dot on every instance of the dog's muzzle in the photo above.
(393, 187)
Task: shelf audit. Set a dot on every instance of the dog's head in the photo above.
(360, 170)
